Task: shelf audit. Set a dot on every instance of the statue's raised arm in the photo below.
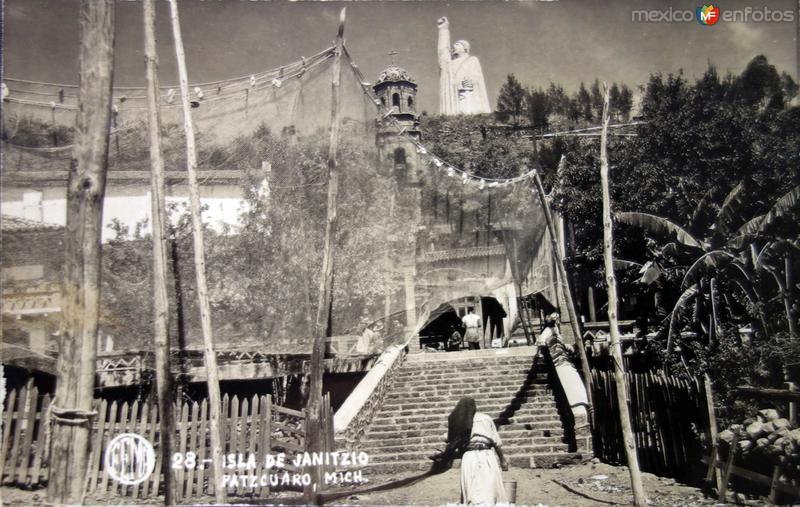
(447, 96)
(443, 47)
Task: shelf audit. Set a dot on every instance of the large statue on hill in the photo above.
(462, 89)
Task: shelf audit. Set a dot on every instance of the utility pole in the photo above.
(314, 438)
(71, 409)
(562, 274)
(209, 354)
(160, 299)
(616, 347)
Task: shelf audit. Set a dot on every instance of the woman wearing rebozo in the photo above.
(473, 436)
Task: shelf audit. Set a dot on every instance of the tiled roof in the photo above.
(23, 357)
(16, 224)
(462, 253)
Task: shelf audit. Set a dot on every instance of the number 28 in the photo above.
(187, 461)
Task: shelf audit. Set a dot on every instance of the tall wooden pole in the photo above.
(562, 275)
(160, 299)
(80, 292)
(209, 354)
(615, 346)
(314, 440)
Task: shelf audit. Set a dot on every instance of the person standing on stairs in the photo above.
(551, 338)
(472, 323)
(473, 436)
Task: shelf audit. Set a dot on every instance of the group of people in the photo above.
(472, 335)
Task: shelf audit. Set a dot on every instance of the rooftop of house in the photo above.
(10, 223)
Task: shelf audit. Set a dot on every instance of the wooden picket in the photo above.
(667, 417)
(249, 425)
(24, 437)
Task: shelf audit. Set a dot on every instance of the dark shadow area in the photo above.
(444, 320)
(493, 315)
(17, 378)
(520, 397)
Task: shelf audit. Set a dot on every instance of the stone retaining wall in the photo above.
(353, 418)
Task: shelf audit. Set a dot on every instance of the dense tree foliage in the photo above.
(541, 108)
(510, 100)
(713, 173)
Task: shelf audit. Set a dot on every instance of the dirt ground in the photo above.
(590, 484)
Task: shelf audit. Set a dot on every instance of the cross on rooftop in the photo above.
(392, 53)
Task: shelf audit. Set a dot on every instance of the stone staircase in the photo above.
(511, 385)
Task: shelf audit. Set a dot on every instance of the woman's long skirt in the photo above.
(481, 479)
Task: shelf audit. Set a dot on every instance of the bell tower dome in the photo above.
(396, 92)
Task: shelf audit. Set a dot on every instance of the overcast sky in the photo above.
(562, 41)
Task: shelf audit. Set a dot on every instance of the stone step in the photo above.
(483, 355)
(482, 398)
(522, 415)
(422, 380)
(436, 414)
(491, 392)
(499, 412)
(465, 389)
(495, 409)
(520, 451)
(436, 429)
(468, 390)
(485, 402)
(525, 416)
(534, 424)
(482, 383)
(498, 366)
(436, 438)
(511, 439)
(541, 460)
(509, 445)
(410, 373)
(407, 372)
(488, 392)
(510, 369)
(496, 391)
(437, 434)
(518, 362)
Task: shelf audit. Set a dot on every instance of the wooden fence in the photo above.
(24, 452)
(248, 425)
(669, 416)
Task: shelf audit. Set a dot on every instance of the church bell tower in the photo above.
(397, 92)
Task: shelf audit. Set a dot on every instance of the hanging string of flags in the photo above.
(466, 177)
(24, 91)
(451, 171)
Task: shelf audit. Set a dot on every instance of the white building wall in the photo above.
(130, 204)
